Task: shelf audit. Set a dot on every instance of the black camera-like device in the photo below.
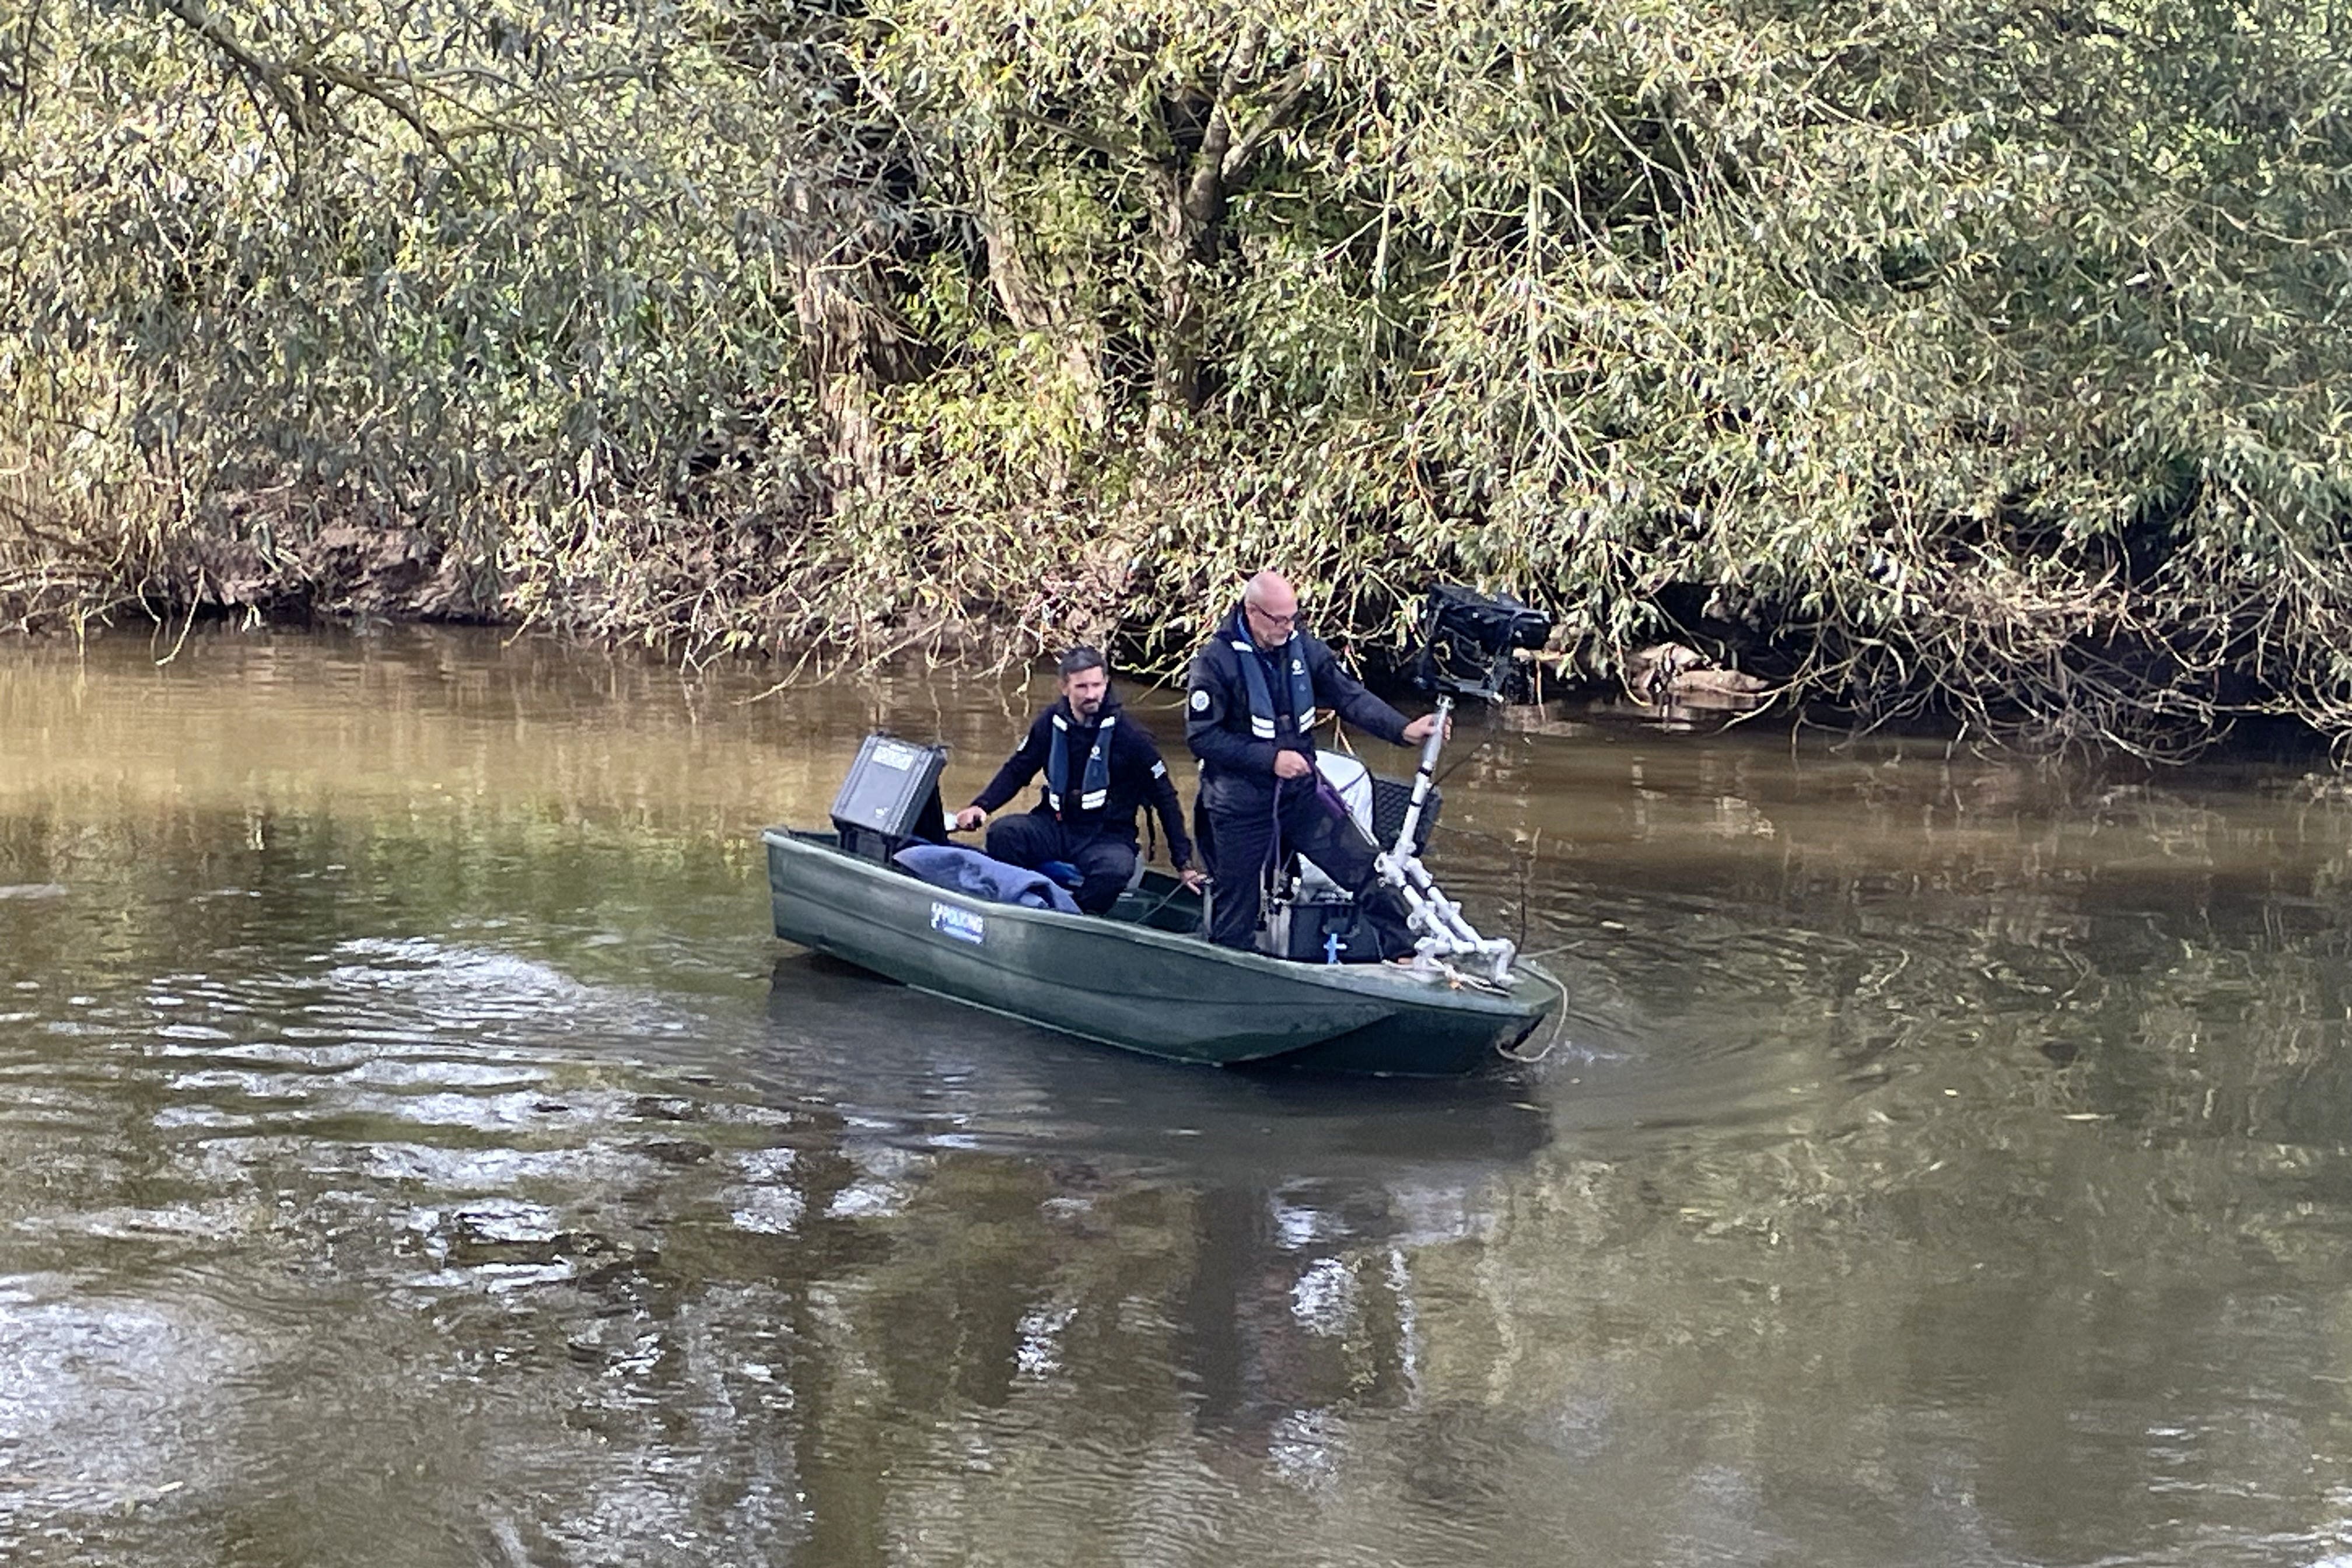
(890, 798)
(1468, 639)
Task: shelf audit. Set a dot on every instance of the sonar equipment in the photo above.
(1467, 641)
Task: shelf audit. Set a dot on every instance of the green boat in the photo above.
(1141, 978)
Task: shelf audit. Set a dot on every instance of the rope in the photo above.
(1559, 1022)
(1165, 900)
(1273, 857)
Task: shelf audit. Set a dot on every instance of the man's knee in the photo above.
(1106, 868)
(1017, 841)
(1338, 851)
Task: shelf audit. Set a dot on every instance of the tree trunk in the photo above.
(1043, 305)
(1194, 192)
(854, 343)
(1185, 244)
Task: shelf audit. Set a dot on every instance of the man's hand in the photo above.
(970, 818)
(1289, 764)
(1191, 877)
(1418, 730)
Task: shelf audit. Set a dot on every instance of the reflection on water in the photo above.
(412, 1150)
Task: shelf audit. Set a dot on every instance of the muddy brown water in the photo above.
(415, 1150)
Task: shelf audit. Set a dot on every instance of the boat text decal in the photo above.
(964, 925)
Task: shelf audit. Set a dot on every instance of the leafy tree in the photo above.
(1941, 355)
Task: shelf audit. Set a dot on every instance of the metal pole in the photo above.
(1423, 777)
(1429, 911)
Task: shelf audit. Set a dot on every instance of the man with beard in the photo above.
(1099, 766)
(1249, 716)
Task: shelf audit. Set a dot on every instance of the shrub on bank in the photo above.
(1935, 358)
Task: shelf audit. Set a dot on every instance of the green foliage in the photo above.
(501, 276)
(1942, 355)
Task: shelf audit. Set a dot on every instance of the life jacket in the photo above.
(1094, 789)
(1261, 696)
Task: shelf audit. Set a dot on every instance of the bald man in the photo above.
(1249, 716)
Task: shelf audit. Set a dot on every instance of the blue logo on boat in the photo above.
(964, 925)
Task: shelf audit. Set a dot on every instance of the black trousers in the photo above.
(1239, 843)
(1034, 837)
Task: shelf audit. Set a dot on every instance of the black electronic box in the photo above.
(891, 798)
(1320, 930)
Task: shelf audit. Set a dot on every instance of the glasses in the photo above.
(1291, 619)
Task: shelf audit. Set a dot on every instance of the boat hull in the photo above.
(1166, 992)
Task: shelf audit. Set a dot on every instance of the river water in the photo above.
(415, 1150)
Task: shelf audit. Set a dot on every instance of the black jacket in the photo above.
(1136, 776)
(1236, 767)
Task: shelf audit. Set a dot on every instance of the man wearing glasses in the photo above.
(1249, 716)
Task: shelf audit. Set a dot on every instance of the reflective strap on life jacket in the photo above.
(1261, 696)
(1093, 789)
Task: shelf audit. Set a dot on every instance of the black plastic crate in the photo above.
(1391, 798)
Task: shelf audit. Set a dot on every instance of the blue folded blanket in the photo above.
(962, 870)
